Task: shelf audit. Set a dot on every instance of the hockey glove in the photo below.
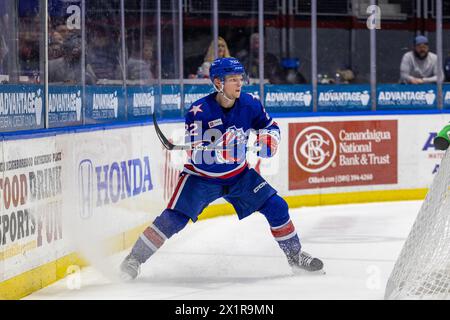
(268, 142)
(442, 140)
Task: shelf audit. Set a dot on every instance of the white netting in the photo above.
(422, 270)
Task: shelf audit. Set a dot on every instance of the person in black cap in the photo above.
(419, 65)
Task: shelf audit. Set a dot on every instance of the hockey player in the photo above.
(222, 121)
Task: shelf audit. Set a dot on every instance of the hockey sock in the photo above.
(287, 239)
(276, 211)
(164, 227)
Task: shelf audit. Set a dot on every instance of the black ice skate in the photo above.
(130, 268)
(305, 262)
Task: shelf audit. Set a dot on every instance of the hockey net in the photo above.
(422, 270)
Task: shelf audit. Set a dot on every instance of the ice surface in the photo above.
(224, 258)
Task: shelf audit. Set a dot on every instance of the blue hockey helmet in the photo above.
(222, 67)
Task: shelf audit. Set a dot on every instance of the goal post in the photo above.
(422, 270)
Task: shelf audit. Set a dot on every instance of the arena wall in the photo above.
(70, 196)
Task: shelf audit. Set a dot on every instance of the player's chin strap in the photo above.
(221, 91)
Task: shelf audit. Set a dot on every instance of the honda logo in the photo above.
(85, 184)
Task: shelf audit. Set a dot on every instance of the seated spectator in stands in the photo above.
(346, 75)
(63, 31)
(29, 57)
(250, 60)
(103, 55)
(3, 44)
(3, 56)
(141, 62)
(447, 69)
(419, 65)
(222, 52)
(67, 69)
(55, 48)
(291, 71)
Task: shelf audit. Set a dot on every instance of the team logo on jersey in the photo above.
(314, 149)
(230, 147)
(215, 123)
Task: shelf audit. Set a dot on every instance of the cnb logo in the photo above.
(85, 185)
(314, 149)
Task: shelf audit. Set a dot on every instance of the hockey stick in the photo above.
(165, 142)
(170, 146)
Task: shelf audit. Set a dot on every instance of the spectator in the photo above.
(222, 52)
(63, 31)
(55, 48)
(419, 65)
(103, 55)
(67, 69)
(3, 56)
(291, 72)
(29, 57)
(447, 69)
(345, 75)
(141, 62)
(3, 44)
(250, 60)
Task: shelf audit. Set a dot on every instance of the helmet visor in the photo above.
(239, 77)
